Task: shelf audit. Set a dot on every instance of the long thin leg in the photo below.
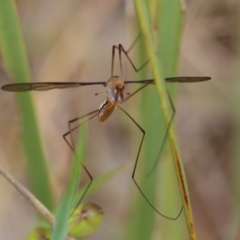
(120, 61)
(135, 167)
(163, 144)
(91, 115)
(130, 60)
(72, 129)
(121, 49)
(134, 42)
(113, 55)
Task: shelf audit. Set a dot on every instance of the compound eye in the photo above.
(119, 87)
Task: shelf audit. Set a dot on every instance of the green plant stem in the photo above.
(144, 22)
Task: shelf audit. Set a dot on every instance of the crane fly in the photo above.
(115, 97)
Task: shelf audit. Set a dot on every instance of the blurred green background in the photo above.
(71, 41)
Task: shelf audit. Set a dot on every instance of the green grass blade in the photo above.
(144, 21)
(15, 60)
(141, 224)
(170, 20)
(65, 208)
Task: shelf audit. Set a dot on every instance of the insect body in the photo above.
(115, 88)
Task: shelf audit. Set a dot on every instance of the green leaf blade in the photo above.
(15, 59)
(61, 227)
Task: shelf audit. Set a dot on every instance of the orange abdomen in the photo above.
(105, 110)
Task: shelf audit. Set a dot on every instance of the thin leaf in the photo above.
(15, 60)
(63, 213)
(170, 21)
(144, 22)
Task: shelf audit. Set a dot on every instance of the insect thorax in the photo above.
(115, 88)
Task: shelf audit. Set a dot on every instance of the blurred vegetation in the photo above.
(14, 58)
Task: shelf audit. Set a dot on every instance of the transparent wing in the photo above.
(44, 86)
(187, 79)
(174, 79)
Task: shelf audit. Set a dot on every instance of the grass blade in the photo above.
(144, 21)
(14, 56)
(65, 208)
(170, 21)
